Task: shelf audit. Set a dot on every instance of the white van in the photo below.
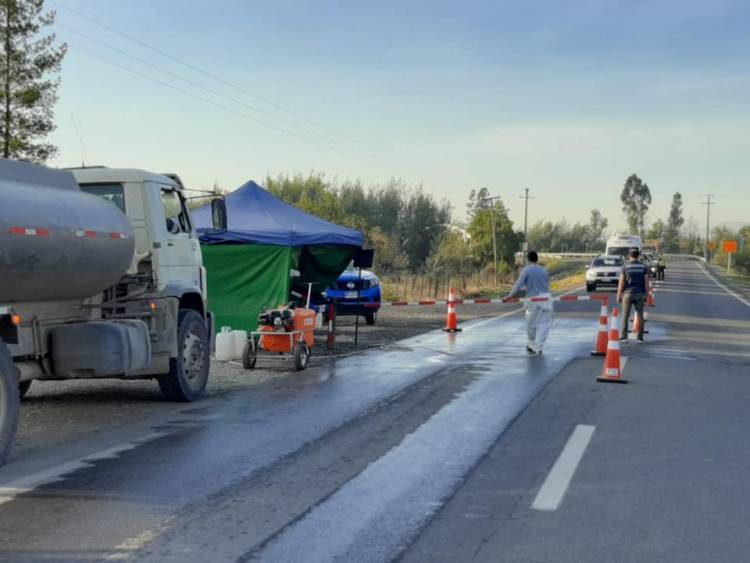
(621, 244)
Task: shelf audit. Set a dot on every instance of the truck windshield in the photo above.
(113, 193)
(619, 250)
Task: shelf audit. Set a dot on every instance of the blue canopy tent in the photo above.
(248, 266)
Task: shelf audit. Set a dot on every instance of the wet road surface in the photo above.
(369, 458)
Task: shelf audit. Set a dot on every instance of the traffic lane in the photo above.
(111, 498)
(702, 322)
(692, 292)
(661, 480)
(658, 479)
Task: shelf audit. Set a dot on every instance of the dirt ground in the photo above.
(59, 412)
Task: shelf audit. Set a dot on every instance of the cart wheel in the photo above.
(249, 355)
(301, 355)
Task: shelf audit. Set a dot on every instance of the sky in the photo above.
(566, 98)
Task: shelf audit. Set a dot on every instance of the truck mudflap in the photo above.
(99, 348)
(211, 327)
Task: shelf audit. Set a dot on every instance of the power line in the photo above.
(163, 70)
(216, 104)
(216, 78)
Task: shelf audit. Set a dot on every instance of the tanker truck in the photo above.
(101, 276)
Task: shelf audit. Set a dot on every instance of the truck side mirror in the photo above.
(219, 214)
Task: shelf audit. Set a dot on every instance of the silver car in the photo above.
(604, 271)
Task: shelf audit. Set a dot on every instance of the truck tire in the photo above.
(188, 372)
(23, 388)
(9, 403)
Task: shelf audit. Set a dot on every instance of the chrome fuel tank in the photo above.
(57, 242)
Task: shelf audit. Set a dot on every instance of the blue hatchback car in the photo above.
(357, 297)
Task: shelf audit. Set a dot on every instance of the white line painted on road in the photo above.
(557, 482)
(10, 490)
(722, 286)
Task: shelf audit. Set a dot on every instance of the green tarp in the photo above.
(244, 279)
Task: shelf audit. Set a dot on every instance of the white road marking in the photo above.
(557, 481)
(125, 549)
(623, 363)
(26, 484)
(722, 286)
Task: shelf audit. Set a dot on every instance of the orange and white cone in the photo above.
(637, 322)
(601, 340)
(451, 323)
(650, 298)
(612, 369)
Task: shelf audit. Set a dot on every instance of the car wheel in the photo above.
(590, 287)
(371, 318)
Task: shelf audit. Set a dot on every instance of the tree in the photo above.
(477, 202)
(674, 222)
(657, 230)
(480, 231)
(636, 199)
(29, 62)
(597, 224)
(423, 224)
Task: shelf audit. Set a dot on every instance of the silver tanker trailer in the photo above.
(100, 276)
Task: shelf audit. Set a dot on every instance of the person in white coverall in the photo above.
(534, 279)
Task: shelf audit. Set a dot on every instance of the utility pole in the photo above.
(708, 203)
(491, 200)
(527, 197)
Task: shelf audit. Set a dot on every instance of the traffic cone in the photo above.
(636, 323)
(601, 340)
(650, 298)
(451, 323)
(612, 371)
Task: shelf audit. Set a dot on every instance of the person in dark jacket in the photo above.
(632, 291)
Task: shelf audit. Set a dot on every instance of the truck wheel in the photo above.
(9, 403)
(23, 388)
(370, 318)
(188, 372)
(249, 355)
(301, 356)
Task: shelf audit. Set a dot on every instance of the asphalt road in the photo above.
(434, 449)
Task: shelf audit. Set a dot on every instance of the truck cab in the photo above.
(166, 244)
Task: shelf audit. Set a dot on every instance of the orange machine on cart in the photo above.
(286, 331)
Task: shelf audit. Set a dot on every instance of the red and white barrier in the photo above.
(482, 301)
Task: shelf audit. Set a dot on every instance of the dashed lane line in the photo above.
(558, 480)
